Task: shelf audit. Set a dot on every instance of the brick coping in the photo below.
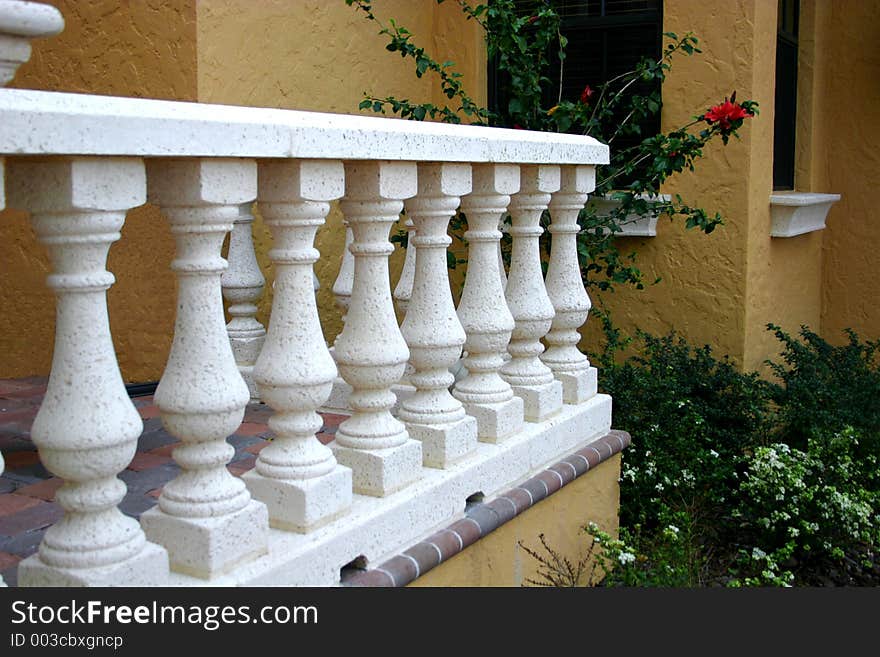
(483, 518)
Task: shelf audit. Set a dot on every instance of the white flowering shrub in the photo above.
(807, 510)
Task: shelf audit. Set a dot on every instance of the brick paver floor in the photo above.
(27, 489)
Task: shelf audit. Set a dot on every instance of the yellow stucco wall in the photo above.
(322, 56)
(498, 559)
(848, 120)
(138, 48)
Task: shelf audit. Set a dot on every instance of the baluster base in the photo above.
(207, 547)
(540, 402)
(496, 422)
(578, 387)
(302, 505)
(380, 472)
(445, 445)
(147, 568)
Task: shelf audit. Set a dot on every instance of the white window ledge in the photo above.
(796, 213)
(634, 225)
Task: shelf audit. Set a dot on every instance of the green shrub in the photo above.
(807, 512)
(823, 387)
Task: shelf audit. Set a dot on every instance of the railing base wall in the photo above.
(376, 528)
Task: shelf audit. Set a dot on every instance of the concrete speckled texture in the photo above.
(28, 509)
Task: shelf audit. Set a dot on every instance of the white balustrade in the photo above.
(482, 309)
(432, 329)
(205, 517)
(371, 353)
(527, 297)
(87, 427)
(296, 476)
(242, 285)
(79, 162)
(565, 287)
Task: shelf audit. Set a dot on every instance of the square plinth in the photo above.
(540, 402)
(301, 505)
(444, 445)
(380, 472)
(207, 547)
(149, 567)
(578, 387)
(496, 422)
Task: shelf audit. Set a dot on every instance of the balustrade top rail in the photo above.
(54, 123)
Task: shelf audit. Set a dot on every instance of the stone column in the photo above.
(87, 427)
(527, 297)
(483, 311)
(205, 516)
(371, 353)
(242, 284)
(296, 476)
(432, 329)
(344, 281)
(565, 287)
(404, 289)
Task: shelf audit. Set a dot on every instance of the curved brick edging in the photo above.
(481, 519)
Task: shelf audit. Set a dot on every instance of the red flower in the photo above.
(517, 126)
(586, 94)
(532, 19)
(727, 113)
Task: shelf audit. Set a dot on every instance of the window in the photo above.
(605, 38)
(784, 121)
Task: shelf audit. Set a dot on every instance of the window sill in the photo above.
(635, 225)
(797, 213)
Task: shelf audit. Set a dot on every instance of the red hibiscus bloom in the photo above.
(727, 113)
(586, 94)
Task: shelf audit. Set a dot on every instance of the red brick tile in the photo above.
(42, 514)
(467, 529)
(240, 467)
(43, 490)
(447, 542)
(12, 503)
(369, 578)
(520, 498)
(333, 420)
(165, 450)
(251, 429)
(145, 460)
(149, 411)
(326, 438)
(8, 560)
(552, 479)
(256, 448)
(20, 459)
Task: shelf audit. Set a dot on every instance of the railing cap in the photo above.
(51, 123)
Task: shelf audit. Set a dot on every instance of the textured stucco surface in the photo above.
(146, 49)
(848, 119)
(322, 56)
(703, 288)
(498, 559)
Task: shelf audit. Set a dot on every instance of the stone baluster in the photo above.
(404, 289)
(432, 329)
(371, 353)
(483, 311)
(205, 517)
(502, 227)
(242, 285)
(87, 428)
(344, 281)
(19, 23)
(527, 297)
(296, 476)
(565, 287)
